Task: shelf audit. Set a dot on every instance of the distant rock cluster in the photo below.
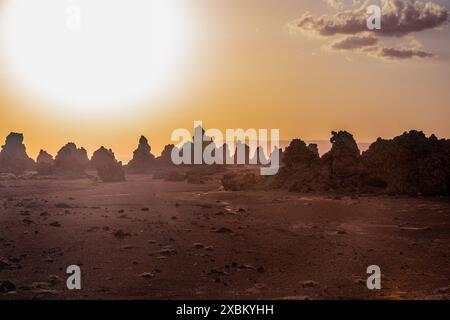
(69, 162)
(408, 164)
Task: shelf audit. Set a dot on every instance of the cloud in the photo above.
(354, 42)
(400, 18)
(370, 44)
(338, 4)
(403, 53)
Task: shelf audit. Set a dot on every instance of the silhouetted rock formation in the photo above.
(44, 163)
(165, 159)
(337, 170)
(342, 162)
(143, 161)
(108, 168)
(314, 149)
(408, 164)
(13, 157)
(71, 161)
(302, 170)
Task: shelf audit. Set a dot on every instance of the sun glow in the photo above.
(93, 55)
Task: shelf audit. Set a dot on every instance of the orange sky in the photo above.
(245, 69)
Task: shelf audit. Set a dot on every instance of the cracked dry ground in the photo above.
(150, 239)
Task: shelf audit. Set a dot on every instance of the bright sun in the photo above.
(93, 55)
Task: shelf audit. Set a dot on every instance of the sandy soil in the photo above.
(181, 240)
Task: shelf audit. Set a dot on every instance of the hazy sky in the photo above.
(250, 64)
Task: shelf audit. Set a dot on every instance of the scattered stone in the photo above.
(8, 264)
(54, 279)
(28, 221)
(309, 284)
(121, 234)
(7, 286)
(62, 205)
(41, 285)
(167, 251)
(146, 275)
(224, 230)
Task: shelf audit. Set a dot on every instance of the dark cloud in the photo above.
(354, 42)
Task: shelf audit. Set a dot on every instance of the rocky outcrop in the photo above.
(45, 163)
(341, 163)
(408, 164)
(337, 170)
(301, 170)
(108, 168)
(165, 159)
(71, 161)
(143, 161)
(13, 157)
